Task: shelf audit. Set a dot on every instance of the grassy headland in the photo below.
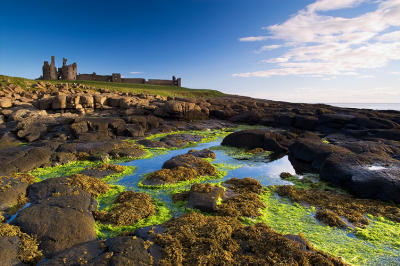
(27, 84)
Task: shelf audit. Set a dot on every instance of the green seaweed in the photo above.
(106, 200)
(220, 174)
(129, 169)
(308, 181)
(162, 215)
(62, 170)
(226, 166)
(370, 246)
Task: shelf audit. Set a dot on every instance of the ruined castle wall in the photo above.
(162, 82)
(92, 77)
(133, 80)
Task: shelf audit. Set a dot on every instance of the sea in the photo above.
(374, 106)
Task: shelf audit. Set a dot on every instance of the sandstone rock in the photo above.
(5, 103)
(59, 102)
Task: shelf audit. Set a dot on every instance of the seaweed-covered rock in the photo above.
(204, 153)
(196, 239)
(61, 212)
(125, 250)
(17, 247)
(353, 209)
(128, 208)
(179, 140)
(329, 218)
(205, 197)
(13, 190)
(65, 186)
(259, 138)
(103, 170)
(242, 198)
(180, 168)
(95, 149)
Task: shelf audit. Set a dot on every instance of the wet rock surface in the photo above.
(55, 124)
(116, 251)
(60, 214)
(181, 168)
(258, 138)
(17, 248)
(13, 190)
(194, 239)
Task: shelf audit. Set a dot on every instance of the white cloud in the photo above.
(136, 72)
(322, 45)
(390, 37)
(269, 48)
(253, 39)
(395, 73)
(326, 5)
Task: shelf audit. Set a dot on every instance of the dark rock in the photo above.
(9, 250)
(13, 190)
(56, 228)
(205, 197)
(179, 140)
(312, 153)
(365, 176)
(23, 158)
(204, 153)
(258, 138)
(120, 251)
(60, 216)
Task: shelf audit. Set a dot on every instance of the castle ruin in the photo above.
(69, 72)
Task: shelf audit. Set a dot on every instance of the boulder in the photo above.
(13, 190)
(182, 110)
(365, 176)
(5, 103)
(23, 158)
(205, 197)
(123, 250)
(259, 138)
(60, 215)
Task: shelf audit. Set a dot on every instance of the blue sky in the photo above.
(291, 50)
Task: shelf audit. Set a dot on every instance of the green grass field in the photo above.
(26, 84)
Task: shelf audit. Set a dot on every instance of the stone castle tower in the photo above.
(66, 72)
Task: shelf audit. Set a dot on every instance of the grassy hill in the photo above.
(26, 84)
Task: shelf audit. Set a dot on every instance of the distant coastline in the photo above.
(374, 106)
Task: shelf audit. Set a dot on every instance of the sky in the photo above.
(325, 51)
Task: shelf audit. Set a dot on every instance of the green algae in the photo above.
(62, 170)
(308, 181)
(117, 176)
(208, 135)
(77, 167)
(226, 166)
(162, 215)
(106, 200)
(380, 229)
(374, 245)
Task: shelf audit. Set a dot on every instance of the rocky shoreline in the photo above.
(49, 125)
